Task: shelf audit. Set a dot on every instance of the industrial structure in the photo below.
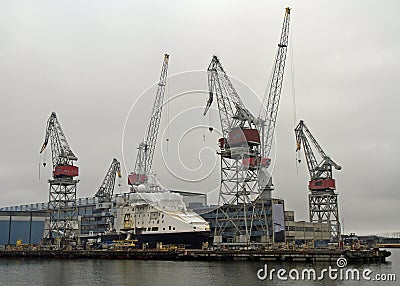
(99, 216)
(246, 215)
(269, 110)
(323, 201)
(106, 189)
(144, 158)
(63, 219)
(301, 233)
(243, 150)
(24, 225)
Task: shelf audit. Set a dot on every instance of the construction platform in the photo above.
(304, 255)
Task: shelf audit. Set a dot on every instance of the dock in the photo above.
(302, 255)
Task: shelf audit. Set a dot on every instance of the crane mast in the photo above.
(236, 219)
(270, 108)
(323, 203)
(269, 111)
(146, 148)
(106, 189)
(62, 211)
(244, 148)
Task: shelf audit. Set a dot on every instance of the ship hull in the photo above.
(190, 240)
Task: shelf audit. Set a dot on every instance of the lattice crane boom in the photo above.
(62, 155)
(106, 189)
(146, 148)
(232, 111)
(270, 108)
(318, 171)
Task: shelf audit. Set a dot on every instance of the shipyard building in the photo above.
(27, 222)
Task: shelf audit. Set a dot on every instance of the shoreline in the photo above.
(308, 255)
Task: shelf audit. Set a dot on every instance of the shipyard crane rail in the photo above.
(318, 171)
(269, 110)
(106, 189)
(146, 148)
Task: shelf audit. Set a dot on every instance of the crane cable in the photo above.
(293, 82)
(167, 109)
(293, 92)
(39, 167)
(264, 102)
(210, 119)
(42, 160)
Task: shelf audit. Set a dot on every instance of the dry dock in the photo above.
(306, 255)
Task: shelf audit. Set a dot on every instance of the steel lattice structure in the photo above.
(269, 111)
(244, 179)
(270, 108)
(232, 111)
(106, 189)
(323, 202)
(238, 218)
(61, 153)
(63, 219)
(146, 148)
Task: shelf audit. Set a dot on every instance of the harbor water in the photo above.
(18, 271)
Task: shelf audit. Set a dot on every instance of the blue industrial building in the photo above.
(21, 225)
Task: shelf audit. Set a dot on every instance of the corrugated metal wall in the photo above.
(27, 226)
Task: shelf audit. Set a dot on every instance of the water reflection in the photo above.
(131, 272)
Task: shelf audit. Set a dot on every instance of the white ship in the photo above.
(154, 217)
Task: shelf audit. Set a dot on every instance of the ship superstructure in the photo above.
(159, 217)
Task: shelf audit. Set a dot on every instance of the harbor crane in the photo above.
(240, 144)
(146, 148)
(269, 108)
(104, 218)
(243, 150)
(62, 210)
(106, 189)
(323, 202)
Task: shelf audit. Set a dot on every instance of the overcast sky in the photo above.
(90, 62)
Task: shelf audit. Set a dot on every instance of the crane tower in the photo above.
(144, 158)
(63, 219)
(238, 218)
(244, 148)
(323, 201)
